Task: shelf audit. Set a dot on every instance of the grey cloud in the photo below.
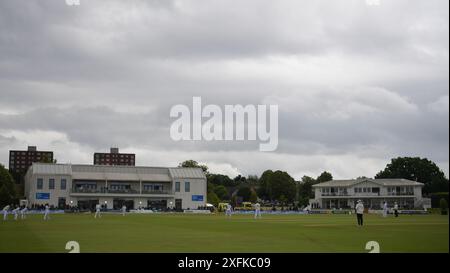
(353, 82)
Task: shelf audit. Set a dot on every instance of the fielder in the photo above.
(396, 209)
(47, 212)
(307, 209)
(16, 213)
(23, 213)
(5, 212)
(228, 211)
(97, 211)
(359, 212)
(385, 209)
(124, 210)
(257, 210)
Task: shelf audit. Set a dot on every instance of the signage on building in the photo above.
(197, 197)
(42, 195)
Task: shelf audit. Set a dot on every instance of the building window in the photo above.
(187, 186)
(40, 183)
(153, 187)
(63, 184)
(177, 186)
(51, 184)
(391, 191)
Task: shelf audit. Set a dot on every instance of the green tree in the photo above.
(417, 169)
(221, 192)
(305, 191)
(7, 188)
(220, 179)
(240, 179)
(265, 191)
(324, 177)
(213, 198)
(244, 192)
(283, 185)
(193, 164)
(252, 180)
(283, 200)
(234, 200)
(362, 177)
(253, 197)
(274, 185)
(210, 186)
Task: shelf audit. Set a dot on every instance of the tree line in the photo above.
(278, 186)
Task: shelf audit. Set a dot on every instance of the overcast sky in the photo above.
(356, 84)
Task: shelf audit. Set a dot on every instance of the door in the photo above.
(178, 204)
(62, 202)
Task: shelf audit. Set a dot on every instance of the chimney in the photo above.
(32, 148)
(114, 150)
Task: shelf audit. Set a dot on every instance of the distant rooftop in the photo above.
(383, 182)
(32, 148)
(29, 149)
(82, 171)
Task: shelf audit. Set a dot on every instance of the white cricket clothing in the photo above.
(97, 211)
(257, 210)
(307, 208)
(385, 210)
(16, 213)
(5, 213)
(359, 208)
(228, 211)
(23, 212)
(46, 213)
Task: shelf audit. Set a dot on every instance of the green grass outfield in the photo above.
(215, 233)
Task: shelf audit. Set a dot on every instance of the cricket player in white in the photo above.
(385, 209)
(97, 211)
(307, 209)
(5, 212)
(124, 210)
(47, 212)
(16, 213)
(257, 210)
(396, 209)
(228, 211)
(359, 212)
(23, 213)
